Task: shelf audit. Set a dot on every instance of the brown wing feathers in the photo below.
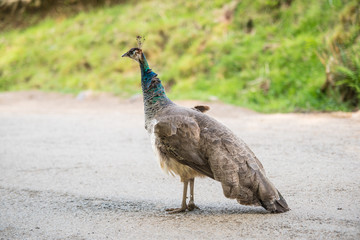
(201, 108)
(200, 142)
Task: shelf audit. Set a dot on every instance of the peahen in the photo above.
(191, 144)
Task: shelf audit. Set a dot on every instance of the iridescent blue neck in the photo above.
(146, 73)
(153, 90)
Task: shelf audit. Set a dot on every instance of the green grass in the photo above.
(273, 68)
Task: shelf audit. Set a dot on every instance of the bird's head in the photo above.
(134, 53)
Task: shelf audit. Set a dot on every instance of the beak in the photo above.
(125, 55)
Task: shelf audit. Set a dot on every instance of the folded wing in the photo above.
(213, 150)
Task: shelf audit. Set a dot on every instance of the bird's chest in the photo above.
(156, 145)
(167, 163)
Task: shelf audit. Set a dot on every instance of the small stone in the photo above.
(85, 95)
(213, 98)
(135, 98)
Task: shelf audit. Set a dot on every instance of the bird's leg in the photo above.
(191, 206)
(183, 204)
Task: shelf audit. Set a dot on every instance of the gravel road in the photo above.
(83, 168)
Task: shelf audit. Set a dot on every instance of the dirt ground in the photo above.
(83, 168)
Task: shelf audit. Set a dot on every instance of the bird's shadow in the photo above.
(150, 207)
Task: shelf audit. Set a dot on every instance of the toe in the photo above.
(175, 210)
(192, 206)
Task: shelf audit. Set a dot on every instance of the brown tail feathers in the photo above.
(279, 206)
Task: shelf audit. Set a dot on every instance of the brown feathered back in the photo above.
(202, 143)
(201, 108)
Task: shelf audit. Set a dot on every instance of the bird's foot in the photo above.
(176, 210)
(191, 206)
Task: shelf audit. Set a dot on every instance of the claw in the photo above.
(191, 206)
(175, 210)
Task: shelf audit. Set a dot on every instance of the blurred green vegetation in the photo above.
(270, 55)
